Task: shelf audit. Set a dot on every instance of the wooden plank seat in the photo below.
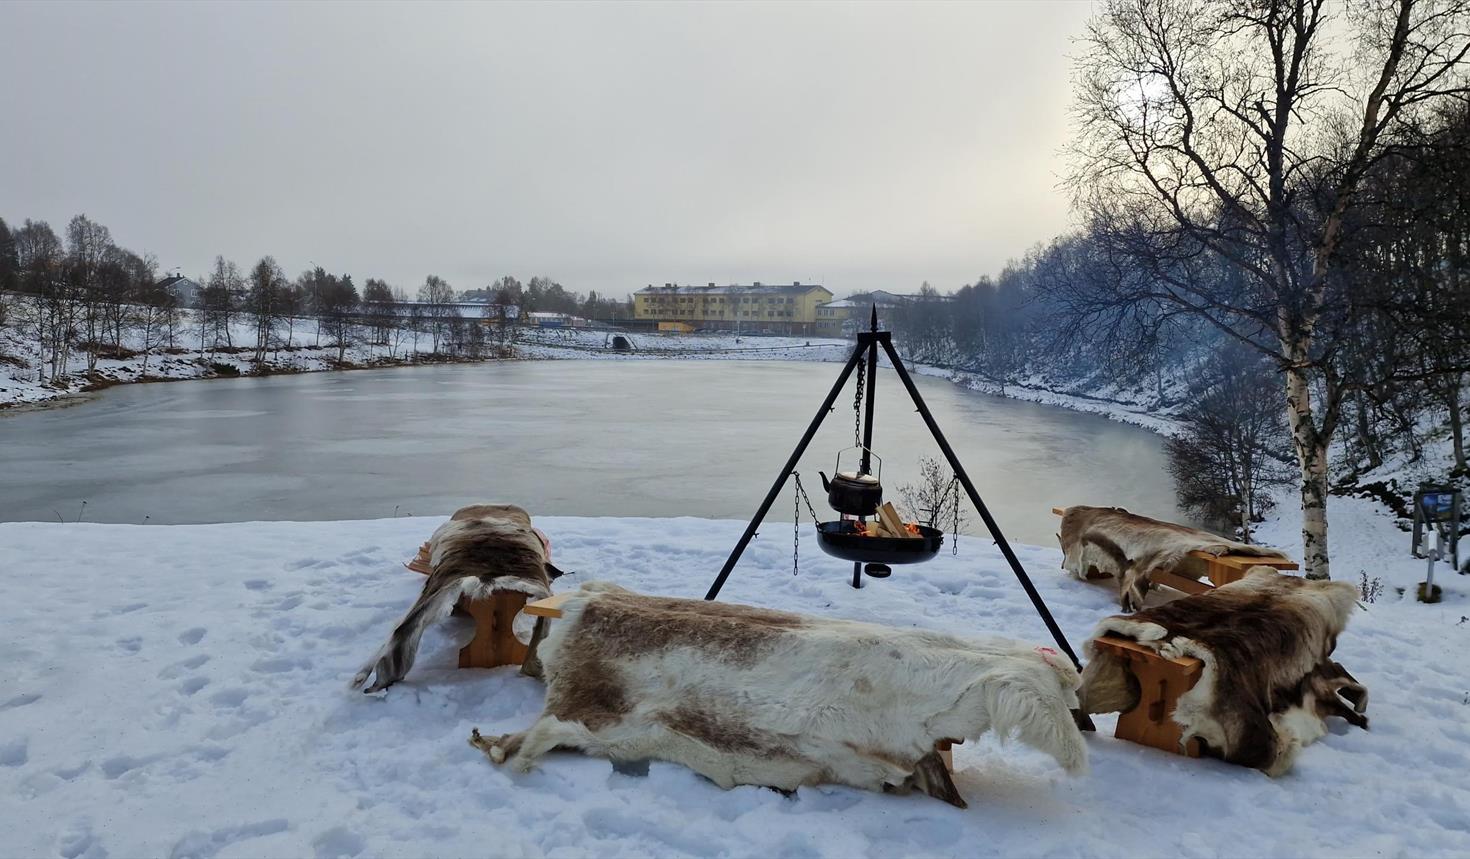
(1160, 683)
(1203, 572)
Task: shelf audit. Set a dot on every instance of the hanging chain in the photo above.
(798, 497)
(857, 407)
(796, 528)
(954, 546)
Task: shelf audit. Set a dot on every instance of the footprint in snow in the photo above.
(131, 644)
(337, 843)
(230, 697)
(178, 668)
(193, 685)
(72, 773)
(114, 768)
(14, 753)
(78, 842)
(193, 636)
(257, 585)
(206, 845)
(20, 701)
(279, 664)
(210, 753)
(314, 563)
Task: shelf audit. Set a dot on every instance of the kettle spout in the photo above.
(826, 484)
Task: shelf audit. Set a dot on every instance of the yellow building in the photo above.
(757, 308)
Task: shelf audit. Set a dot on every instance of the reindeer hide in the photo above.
(481, 549)
(1268, 680)
(747, 695)
(1131, 547)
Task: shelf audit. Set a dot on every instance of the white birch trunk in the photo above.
(1311, 452)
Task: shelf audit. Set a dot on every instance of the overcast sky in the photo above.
(607, 146)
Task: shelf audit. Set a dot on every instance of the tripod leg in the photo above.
(857, 574)
(806, 439)
(1000, 540)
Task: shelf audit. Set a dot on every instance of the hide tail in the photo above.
(394, 659)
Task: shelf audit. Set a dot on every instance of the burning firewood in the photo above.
(893, 524)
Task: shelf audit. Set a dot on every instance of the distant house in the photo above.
(185, 290)
(847, 316)
(482, 310)
(549, 319)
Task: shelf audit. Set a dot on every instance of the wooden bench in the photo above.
(495, 643)
(1160, 683)
(1216, 569)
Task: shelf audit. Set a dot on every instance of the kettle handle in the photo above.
(878, 474)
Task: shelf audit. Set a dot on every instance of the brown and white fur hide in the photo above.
(747, 695)
(1268, 681)
(1131, 548)
(481, 549)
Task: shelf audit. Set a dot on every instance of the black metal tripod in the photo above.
(868, 343)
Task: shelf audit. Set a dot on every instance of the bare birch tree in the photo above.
(436, 295)
(263, 303)
(1244, 129)
(40, 262)
(88, 247)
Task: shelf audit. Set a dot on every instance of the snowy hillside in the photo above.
(180, 691)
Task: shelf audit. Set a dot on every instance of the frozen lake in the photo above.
(574, 438)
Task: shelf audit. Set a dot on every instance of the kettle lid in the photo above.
(866, 479)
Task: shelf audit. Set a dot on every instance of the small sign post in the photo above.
(1436, 508)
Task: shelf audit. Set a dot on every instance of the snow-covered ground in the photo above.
(180, 691)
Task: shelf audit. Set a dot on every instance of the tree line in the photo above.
(83, 294)
(1274, 198)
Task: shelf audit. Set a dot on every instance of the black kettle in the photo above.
(854, 493)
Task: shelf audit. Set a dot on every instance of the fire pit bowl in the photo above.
(840, 540)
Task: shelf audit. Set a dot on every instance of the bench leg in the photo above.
(1151, 723)
(494, 643)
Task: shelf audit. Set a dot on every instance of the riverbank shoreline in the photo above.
(22, 390)
(90, 390)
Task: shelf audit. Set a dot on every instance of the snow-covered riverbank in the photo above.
(181, 691)
(21, 382)
(1111, 401)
